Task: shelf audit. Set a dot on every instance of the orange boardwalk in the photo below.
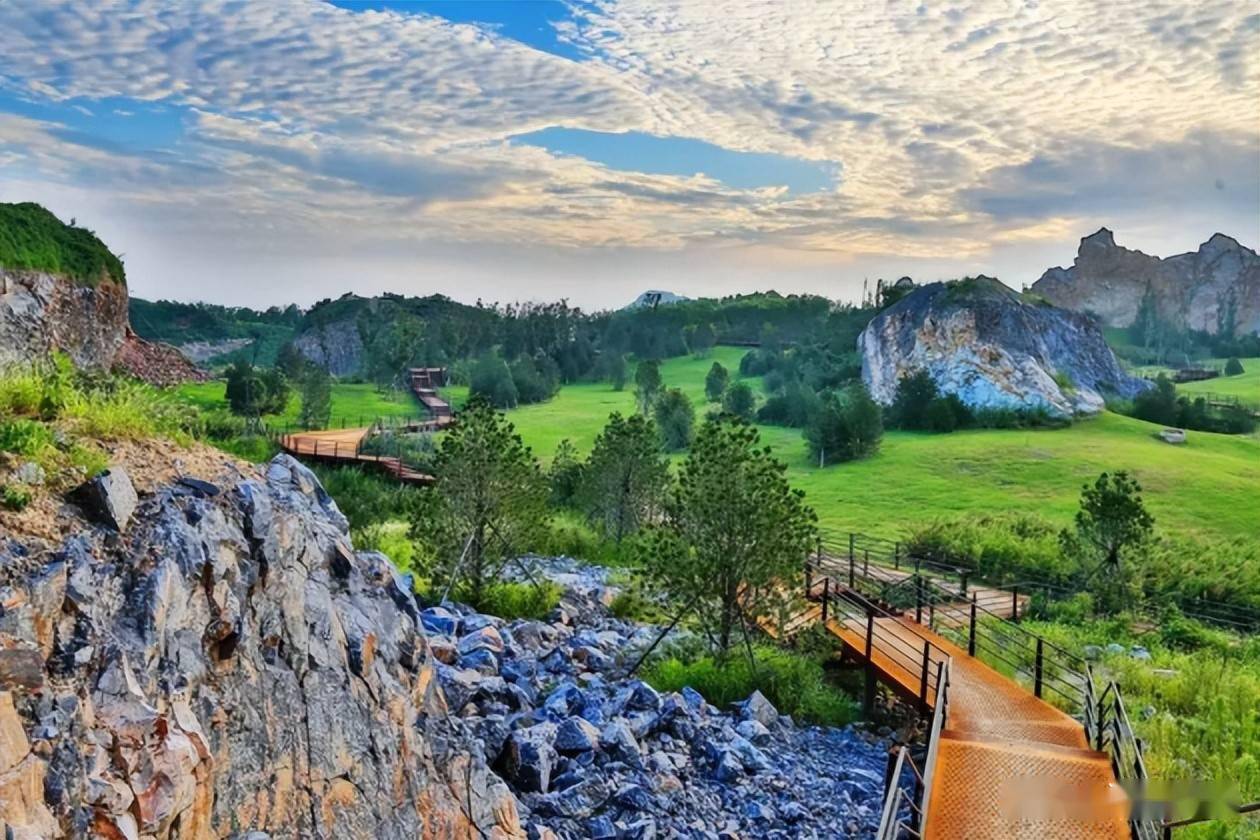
(1009, 765)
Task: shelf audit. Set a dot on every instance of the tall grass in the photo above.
(794, 682)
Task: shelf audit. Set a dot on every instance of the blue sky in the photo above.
(286, 151)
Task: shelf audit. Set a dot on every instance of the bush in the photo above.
(491, 379)
(364, 497)
(1234, 367)
(739, 401)
(844, 429)
(13, 497)
(1001, 547)
(520, 600)
(795, 683)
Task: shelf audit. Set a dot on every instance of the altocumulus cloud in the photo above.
(989, 120)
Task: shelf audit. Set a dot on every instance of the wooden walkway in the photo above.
(345, 446)
(1008, 765)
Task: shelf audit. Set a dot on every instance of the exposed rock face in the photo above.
(156, 363)
(655, 297)
(200, 352)
(42, 312)
(994, 349)
(336, 346)
(229, 665)
(1214, 288)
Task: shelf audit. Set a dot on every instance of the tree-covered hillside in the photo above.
(31, 237)
(181, 323)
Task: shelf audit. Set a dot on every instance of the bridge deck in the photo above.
(1009, 765)
(342, 446)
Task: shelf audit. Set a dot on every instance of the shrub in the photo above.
(520, 600)
(739, 401)
(25, 437)
(1234, 367)
(14, 497)
(491, 380)
(715, 382)
(795, 683)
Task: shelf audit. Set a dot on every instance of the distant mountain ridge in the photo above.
(655, 297)
(1215, 289)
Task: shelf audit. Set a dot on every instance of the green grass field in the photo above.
(1209, 486)
(353, 403)
(1245, 386)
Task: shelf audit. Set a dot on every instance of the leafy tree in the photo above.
(702, 339)
(915, 391)
(488, 505)
(316, 393)
(1158, 404)
(795, 406)
(491, 379)
(290, 360)
(565, 474)
(715, 382)
(617, 371)
(734, 531)
(648, 384)
(535, 379)
(389, 347)
(739, 401)
(676, 419)
(1234, 367)
(253, 392)
(844, 429)
(625, 478)
(1110, 529)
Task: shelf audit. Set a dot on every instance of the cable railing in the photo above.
(905, 813)
(883, 552)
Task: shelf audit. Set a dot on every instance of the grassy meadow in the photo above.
(352, 402)
(1207, 487)
(1245, 386)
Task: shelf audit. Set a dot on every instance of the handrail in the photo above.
(890, 826)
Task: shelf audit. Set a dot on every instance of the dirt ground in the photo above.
(151, 465)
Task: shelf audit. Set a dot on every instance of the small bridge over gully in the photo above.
(1023, 743)
(345, 445)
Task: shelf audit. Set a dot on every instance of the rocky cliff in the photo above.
(994, 348)
(336, 346)
(228, 664)
(229, 667)
(1215, 288)
(41, 312)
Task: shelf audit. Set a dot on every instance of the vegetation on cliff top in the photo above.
(31, 237)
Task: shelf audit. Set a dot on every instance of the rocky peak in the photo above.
(994, 348)
(1192, 290)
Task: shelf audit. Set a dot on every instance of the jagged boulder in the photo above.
(1214, 288)
(231, 666)
(994, 348)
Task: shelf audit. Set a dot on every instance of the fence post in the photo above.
(826, 595)
(1038, 668)
(870, 633)
(971, 632)
(918, 599)
(923, 678)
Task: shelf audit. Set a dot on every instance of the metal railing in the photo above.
(905, 814)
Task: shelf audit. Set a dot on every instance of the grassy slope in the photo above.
(31, 237)
(1245, 386)
(352, 402)
(1208, 486)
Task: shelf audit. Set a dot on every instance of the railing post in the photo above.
(851, 576)
(1015, 604)
(866, 562)
(870, 633)
(971, 631)
(896, 555)
(809, 579)
(962, 581)
(918, 599)
(923, 677)
(852, 540)
(1038, 669)
(826, 596)
(931, 615)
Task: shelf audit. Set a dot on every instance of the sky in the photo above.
(260, 153)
